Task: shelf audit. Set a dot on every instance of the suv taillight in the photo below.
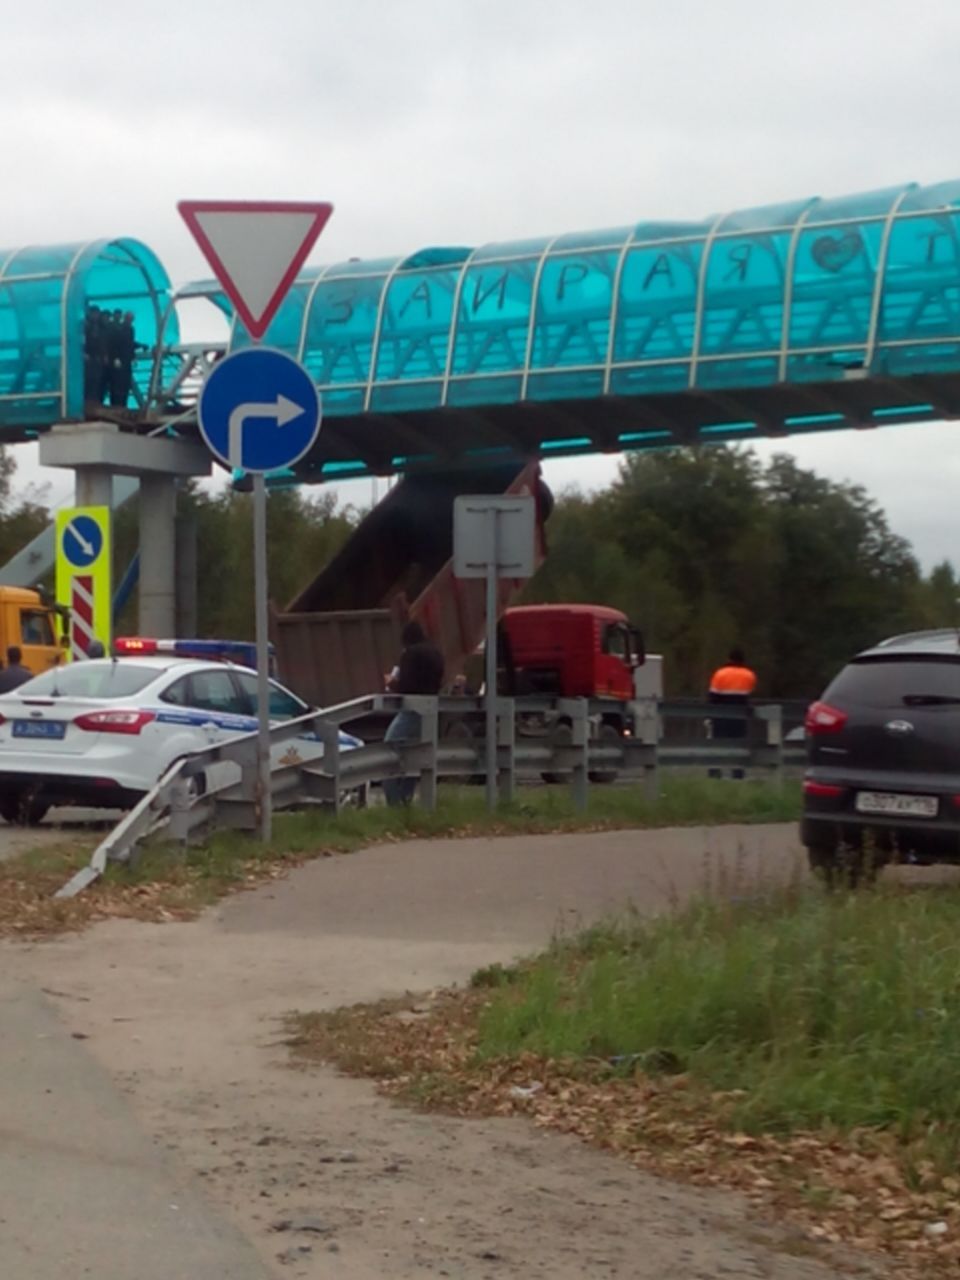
(114, 721)
(822, 718)
(822, 790)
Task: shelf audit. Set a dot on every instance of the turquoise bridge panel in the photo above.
(794, 292)
(683, 325)
(804, 316)
(44, 293)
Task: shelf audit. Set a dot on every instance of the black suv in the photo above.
(883, 749)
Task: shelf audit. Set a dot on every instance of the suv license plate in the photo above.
(892, 803)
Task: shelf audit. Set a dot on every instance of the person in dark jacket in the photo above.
(14, 674)
(123, 348)
(94, 356)
(419, 671)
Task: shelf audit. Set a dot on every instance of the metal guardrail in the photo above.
(536, 736)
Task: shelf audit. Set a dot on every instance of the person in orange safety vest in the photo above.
(731, 685)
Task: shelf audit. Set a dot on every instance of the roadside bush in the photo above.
(805, 1008)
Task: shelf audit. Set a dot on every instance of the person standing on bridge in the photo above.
(94, 355)
(419, 671)
(123, 348)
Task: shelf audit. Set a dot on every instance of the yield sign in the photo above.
(256, 248)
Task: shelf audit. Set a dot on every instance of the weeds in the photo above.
(799, 1046)
(803, 1008)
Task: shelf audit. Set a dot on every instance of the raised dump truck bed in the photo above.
(337, 638)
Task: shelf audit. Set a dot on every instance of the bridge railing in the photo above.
(536, 737)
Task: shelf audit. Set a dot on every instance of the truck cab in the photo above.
(571, 651)
(30, 622)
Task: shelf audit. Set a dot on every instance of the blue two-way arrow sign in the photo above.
(259, 410)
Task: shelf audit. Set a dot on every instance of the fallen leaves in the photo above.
(179, 891)
(852, 1190)
(29, 910)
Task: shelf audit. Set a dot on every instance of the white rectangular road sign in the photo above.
(493, 538)
(473, 541)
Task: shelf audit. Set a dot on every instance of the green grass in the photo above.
(461, 811)
(824, 1009)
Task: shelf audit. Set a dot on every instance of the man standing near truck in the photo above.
(14, 674)
(734, 682)
(731, 686)
(419, 671)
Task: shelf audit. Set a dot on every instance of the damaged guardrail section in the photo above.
(537, 736)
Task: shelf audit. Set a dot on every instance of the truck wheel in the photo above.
(560, 736)
(609, 736)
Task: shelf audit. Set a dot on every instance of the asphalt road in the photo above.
(83, 1189)
(163, 1081)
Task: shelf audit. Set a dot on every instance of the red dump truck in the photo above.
(336, 639)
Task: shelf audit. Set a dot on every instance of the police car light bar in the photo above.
(243, 652)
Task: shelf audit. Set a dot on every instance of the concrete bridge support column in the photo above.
(93, 487)
(187, 575)
(158, 580)
(98, 451)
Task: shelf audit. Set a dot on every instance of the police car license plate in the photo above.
(897, 805)
(39, 728)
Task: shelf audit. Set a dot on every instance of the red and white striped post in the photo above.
(81, 616)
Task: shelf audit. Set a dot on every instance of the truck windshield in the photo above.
(616, 642)
(35, 627)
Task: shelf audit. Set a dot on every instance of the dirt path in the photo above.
(187, 1018)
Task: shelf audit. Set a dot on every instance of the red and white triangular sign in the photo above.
(255, 248)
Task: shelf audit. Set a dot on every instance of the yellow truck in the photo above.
(29, 620)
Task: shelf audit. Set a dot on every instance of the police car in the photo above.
(101, 733)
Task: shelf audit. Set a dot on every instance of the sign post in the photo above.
(493, 538)
(259, 410)
(261, 594)
(490, 653)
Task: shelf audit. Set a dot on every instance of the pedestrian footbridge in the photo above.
(810, 315)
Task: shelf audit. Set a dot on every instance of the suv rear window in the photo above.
(896, 682)
(90, 680)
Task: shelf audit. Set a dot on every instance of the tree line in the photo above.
(704, 548)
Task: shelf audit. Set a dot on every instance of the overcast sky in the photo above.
(442, 121)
